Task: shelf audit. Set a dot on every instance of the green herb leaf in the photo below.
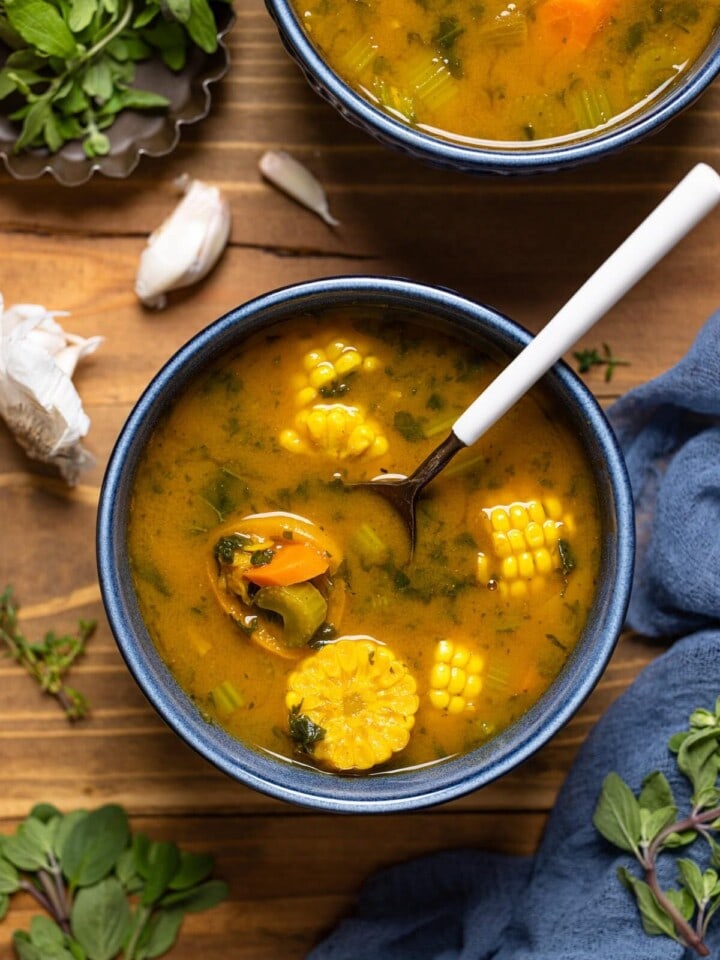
(408, 426)
(29, 847)
(9, 879)
(304, 731)
(94, 845)
(655, 919)
(194, 867)
(692, 879)
(163, 862)
(617, 815)
(201, 26)
(160, 933)
(656, 793)
(199, 898)
(40, 25)
(101, 919)
(81, 14)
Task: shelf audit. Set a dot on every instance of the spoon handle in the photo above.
(693, 198)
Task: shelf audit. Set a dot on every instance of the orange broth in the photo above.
(236, 443)
(510, 71)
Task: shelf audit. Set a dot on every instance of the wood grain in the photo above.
(521, 245)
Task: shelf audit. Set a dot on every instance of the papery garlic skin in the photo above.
(186, 245)
(37, 398)
(287, 173)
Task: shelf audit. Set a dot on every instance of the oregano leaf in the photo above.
(40, 25)
(617, 815)
(655, 920)
(101, 919)
(692, 879)
(94, 845)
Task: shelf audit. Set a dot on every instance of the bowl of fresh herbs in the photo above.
(92, 86)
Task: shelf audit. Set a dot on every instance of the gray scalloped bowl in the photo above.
(404, 789)
(135, 133)
(545, 156)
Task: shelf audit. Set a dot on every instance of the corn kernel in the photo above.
(473, 687)
(460, 657)
(291, 441)
(305, 396)
(499, 519)
(334, 349)
(516, 540)
(444, 651)
(543, 560)
(526, 566)
(316, 424)
(301, 418)
(552, 535)
(380, 447)
(536, 511)
(457, 680)
(482, 570)
(518, 588)
(534, 535)
(509, 568)
(322, 374)
(501, 544)
(476, 663)
(553, 508)
(360, 440)
(440, 675)
(348, 361)
(313, 358)
(456, 705)
(370, 364)
(519, 515)
(439, 698)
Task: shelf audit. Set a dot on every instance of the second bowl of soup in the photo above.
(274, 615)
(500, 86)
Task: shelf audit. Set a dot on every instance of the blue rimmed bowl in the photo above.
(545, 157)
(406, 789)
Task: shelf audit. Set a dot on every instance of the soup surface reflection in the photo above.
(287, 605)
(509, 71)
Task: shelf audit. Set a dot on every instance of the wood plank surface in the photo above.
(521, 245)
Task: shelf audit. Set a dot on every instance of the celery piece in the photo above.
(442, 425)
(372, 549)
(430, 79)
(301, 607)
(226, 698)
(496, 677)
(358, 57)
(590, 107)
(394, 99)
(507, 30)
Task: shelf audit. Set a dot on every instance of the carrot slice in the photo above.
(292, 563)
(572, 23)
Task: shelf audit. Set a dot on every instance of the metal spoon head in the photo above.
(401, 493)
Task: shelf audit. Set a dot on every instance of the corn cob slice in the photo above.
(456, 677)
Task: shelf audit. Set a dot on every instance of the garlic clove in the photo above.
(37, 398)
(186, 245)
(287, 173)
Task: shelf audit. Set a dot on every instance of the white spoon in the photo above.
(693, 198)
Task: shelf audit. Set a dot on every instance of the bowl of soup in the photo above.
(274, 614)
(505, 86)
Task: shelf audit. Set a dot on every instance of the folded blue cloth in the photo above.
(566, 902)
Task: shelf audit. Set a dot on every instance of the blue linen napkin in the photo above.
(566, 902)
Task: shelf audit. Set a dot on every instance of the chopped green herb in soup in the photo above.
(286, 604)
(512, 72)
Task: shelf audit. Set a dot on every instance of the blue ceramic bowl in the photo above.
(470, 159)
(407, 789)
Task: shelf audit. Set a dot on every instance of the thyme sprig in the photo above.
(587, 359)
(48, 660)
(649, 824)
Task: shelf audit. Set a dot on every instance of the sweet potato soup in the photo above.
(510, 71)
(286, 604)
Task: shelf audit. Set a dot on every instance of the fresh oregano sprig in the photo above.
(47, 660)
(650, 824)
(106, 893)
(71, 65)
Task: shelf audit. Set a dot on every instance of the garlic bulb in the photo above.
(186, 245)
(37, 398)
(290, 175)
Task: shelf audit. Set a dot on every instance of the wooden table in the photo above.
(522, 245)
